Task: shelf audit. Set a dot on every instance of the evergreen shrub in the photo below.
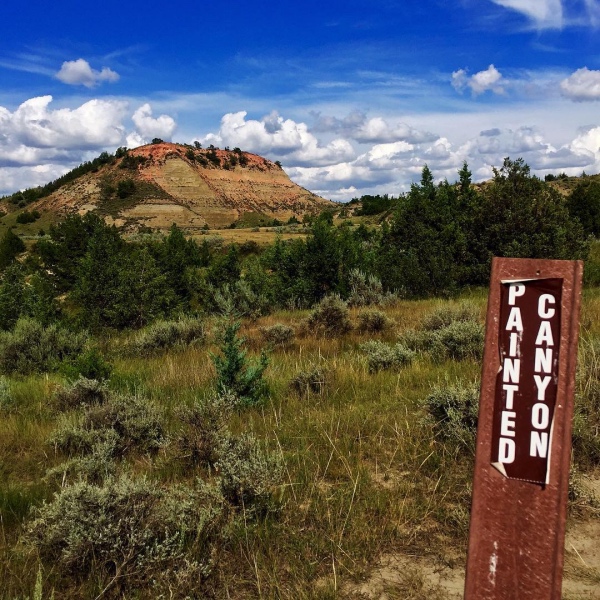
(236, 375)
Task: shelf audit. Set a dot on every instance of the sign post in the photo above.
(518, 514)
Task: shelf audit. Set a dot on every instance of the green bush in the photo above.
(372, 321)
(162, 335)
(381, 356)
(461, 340)
(130, 535)
(132, 422)
(278, 334)
(454, 411)
(89, 365)
(203, 429)
(92, 454)
(125, 188)
(81, 392)
(238, 299)
(30, 347)
(28, 217)
(367, 290)
(330, 317)
(312, 380)
(448, 334)
(447, 315)
(236, 375)
(249, 475)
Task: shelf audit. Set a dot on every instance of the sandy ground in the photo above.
(396, 573)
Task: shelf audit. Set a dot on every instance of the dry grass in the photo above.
(266, 235)
(364, 476)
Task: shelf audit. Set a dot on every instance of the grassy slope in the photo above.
(365, 478)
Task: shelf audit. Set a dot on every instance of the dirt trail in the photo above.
(400, 576)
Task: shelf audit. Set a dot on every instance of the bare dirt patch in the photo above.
(403, 576)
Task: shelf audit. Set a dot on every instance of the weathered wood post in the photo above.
(518, 514)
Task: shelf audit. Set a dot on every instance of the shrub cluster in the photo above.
(448, 334)
(249, 474)
(365, 290)
(330, 317)
(381, 356)
(203, 429)
(132, 422)
(238, 299)
(448, 314)
(81, 392)
(454, 411)
(312, 380)
(162, 335)
(372, 321)
(108, 428)
(278, 334)
(31, 347)
(131, 534)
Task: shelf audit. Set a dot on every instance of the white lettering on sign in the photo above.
(512, 370)
(510, 377)
(514, 319)
(542, 384)
(507, 425)
(540, 412)
(539, 444)
(544, 334)
(543, 311)
(506, 451)
(514, 291)
(543, 355)
(510, 394)
(543, 360)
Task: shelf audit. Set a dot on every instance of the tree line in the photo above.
(438, 239)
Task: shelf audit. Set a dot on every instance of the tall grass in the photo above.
(365, 472)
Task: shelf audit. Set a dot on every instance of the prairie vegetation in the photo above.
(160, 480)
(184, 420)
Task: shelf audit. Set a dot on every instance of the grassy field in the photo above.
(367, 484)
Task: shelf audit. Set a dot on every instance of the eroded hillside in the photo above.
(160, 184)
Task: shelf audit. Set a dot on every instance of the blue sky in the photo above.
(351, 97)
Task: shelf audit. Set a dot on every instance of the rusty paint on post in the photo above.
(518, 514)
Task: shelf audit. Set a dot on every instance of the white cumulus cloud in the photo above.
(79, 72)
(583, 85)
(281, 137)
(39, 143)
(483, 81)
(94, 124)
(375, 130)
(149, 127)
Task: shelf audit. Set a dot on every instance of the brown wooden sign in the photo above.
(524, 432)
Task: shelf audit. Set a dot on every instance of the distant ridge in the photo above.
(163, 183)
